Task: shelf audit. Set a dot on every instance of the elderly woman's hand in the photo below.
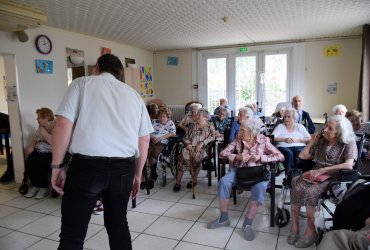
(255, 158)
(198, 147)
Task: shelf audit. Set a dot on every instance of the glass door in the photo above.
(216, 81)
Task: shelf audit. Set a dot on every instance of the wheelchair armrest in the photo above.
(348, 175)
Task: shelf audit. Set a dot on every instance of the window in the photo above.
(260, 77)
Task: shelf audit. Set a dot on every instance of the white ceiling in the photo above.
(177, 24)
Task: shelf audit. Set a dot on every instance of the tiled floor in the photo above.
(161, 220)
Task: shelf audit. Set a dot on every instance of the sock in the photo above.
(247, 222)
(224, 217)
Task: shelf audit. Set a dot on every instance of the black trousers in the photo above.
(38, 168)
(88, 179)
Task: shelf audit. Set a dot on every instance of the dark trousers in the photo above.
(38, 168)
(88, 179)
(291, 155)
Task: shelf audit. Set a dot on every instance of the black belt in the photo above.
(87, 157)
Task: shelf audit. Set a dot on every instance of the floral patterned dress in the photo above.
(195, 135)
(304, 193)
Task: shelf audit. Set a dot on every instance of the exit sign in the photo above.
(243, 49)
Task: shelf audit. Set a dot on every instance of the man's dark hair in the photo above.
(111, 64)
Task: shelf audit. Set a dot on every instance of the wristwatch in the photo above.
(56, 166)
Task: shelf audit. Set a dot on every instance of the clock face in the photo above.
(43, 44)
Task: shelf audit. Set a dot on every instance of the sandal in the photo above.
(177, 187)
(292, 238)
(189, 185)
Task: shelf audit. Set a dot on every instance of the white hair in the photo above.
(340, 107)
(254, 125)
(291, 111)
(246, 111)
(344, 128)
(197, 105)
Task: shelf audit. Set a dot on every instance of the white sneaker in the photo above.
(32, 192)
(44, 192)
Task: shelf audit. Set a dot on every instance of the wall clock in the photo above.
(43, 44)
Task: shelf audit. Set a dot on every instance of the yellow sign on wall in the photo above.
(332, 50)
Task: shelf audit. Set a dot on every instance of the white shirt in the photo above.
(299, 132)
(109, 117)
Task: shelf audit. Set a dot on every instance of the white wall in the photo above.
(343, 69)
(38, 90)
(173, 83)
(3, 104)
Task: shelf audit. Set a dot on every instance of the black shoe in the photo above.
(177, 187)
(7, 178)
(189, 185)
(151, 184)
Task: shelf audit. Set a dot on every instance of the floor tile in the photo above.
(167, 195)
(19, 219)
(42, 226)
(185, 211)
(262, 241)
(46, 206)
(201, 199)
(98, 241)
(192, 246)
(44, 245)
(169, 228)
(4, 231)
(144, 241)
(21, 202)
(209, 237)
(138, 222)
(5, 211)
(7, 195)
(261, 223)
(17, 241)
(283, 245)
(151, 206)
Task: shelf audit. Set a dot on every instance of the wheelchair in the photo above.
(168, 158)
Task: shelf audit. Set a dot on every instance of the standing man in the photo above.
(302, 116)
(106, 127)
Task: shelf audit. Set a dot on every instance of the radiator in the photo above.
(177, 111)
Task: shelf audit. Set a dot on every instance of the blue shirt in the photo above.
(234, 130)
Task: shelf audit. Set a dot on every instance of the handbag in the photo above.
(248, 176)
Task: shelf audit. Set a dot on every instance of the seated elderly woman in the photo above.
(290, 138)
(223, 104)
(250, 149)
(164, 128)
(333, 151)
(339, 109)
(244, 114)
(220, 122)
(355, 117)
(195, 141)
(189, 118)
(153, 111)
(39, 155)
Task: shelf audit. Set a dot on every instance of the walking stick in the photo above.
(192, 170)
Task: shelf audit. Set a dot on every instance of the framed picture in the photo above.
(44, 66)
(173, 61)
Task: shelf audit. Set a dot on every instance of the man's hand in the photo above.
(58, 178)
(135, 187)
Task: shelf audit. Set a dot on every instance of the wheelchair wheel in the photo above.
(164, 178)
(176, 150)
(282, 217)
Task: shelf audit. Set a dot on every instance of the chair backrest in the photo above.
(360, 145)
(283, 105)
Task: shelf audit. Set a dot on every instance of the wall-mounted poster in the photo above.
(172, 61)
(44, 66)
(146, 81)
(106, 51)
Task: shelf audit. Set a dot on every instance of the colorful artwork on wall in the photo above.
(44, 66)
(146, 81)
